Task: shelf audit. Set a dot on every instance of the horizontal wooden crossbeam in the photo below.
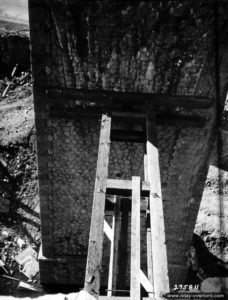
(125, 120)
(124, 187)
(109, 207)
(104, 98)
(128, 136)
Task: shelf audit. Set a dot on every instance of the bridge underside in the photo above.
(112, 57)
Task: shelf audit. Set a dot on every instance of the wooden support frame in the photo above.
(156, 283)
(94, 257)
(158, 242)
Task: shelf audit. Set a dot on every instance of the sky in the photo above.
(14, 9)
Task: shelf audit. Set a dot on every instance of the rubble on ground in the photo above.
(9, 85)
(27, 259)
(19, 202)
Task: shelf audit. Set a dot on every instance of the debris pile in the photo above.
(18, 262)
(24, 79)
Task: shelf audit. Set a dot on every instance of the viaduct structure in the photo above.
(125, 106)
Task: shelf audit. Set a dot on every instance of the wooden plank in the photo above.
(117, 233)
(119, 132)
(99, 96)
(76, 113)
(135, 240)
(124, 126)
(148, 234)
(146, 283)
(94, 257)
(108, 231)
(136, 135)
(159, 258)
(113, 266)
(110, 270)
(115, 186)
(123, 254)
(149, 256)
(128, 136)
(110, 206)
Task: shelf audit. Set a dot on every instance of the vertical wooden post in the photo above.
(123, 247)
(113, 265)
(149, 257)
(158, 243)
(148, 232)
(135, 239)
(94, 257)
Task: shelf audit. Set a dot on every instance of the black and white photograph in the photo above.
(113, 149)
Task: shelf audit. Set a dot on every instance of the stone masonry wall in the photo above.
(72, 148)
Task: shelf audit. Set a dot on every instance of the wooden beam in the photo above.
(124, 187)
(123, 248)
(128, 132)
(146, 283)
(129, 115)
(127, 121)
(75, 113)
(148, 234)
(108, 231)
(159, 258)
(149, 258)
(135, 240)
(113, 262)
(133, 137)
(126, 126)
(94, 257)
(109, 206)
(102, 96)
(110, 270)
